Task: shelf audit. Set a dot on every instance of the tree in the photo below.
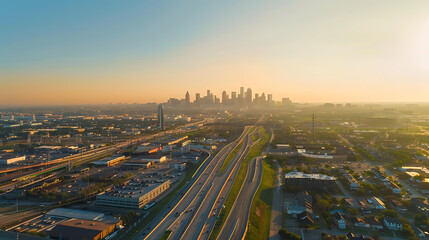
(286, 235)
(421, 221)
(390, 213)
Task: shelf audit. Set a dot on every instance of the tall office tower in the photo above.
(161, 116)
(187, 98)
(263, 98)
(224, 97)
(197, 97)
(286, 101)
(216, 100)
(233, 98)
(256, 100)
(242, 92)
(249, 96)
(270, 98)
(208, 93)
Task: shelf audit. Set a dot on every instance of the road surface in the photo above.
(236, 223)
(180, 212)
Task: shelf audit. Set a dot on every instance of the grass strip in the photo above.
(229, 158)
(255, 151)
(165, 235)
(260, 211)
(255, 137)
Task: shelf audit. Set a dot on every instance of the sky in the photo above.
(107, 51)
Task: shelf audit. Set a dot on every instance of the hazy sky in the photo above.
(74, 52)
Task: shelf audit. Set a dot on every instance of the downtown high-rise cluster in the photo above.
(242, 98)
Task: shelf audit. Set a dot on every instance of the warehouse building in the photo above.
(11, 160)
(73, 229)
(310, 181)
(107, 162)
(135, 194)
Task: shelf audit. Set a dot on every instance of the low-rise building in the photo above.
(157, 159)
(359, 222)
(137, 164)
(378, 204)
(107, 162)
(303, 203)
(135, 194)
(339, 220)
(351, 236)
(353, 184)
(10, 160)
(392, 223)
(310, 181)
(179, 166)
(374, 223)
(394, 187)
(74, 213)
(73, 229)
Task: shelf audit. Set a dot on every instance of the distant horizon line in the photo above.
(147, 103)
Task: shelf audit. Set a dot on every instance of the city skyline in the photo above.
(91, 53)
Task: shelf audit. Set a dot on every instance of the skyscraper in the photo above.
(241, 92)
(197, 97)
(249, 96)
(233, 98)
(270, 98)
(161, 116)
(187, 98)
(224, 97)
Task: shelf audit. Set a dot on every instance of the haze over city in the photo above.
(97, 52)
(214, 120)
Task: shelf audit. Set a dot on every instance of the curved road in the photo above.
(181, 211)
(235, 225)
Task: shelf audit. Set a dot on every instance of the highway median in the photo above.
(254, 152)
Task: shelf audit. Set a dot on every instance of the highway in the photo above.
(180, 213)
(203, 220)
(235, 225)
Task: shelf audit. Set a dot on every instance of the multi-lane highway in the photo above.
(184, 211)
(236, 223)
(204, 219)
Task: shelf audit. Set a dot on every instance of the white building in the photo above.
(11, 160)
(392, 223)
(377, 203)
(178, 166)
(132, 195)
(160, 159)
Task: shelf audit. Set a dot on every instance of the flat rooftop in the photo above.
(133, 189)
(75, 213)
(308, 176)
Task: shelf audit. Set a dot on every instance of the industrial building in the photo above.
(109, 161)
(73, 229)
(157, 159)
(309, 180)
(135, 194)
(179, 166)
(137, 164)
(11, 160)
(74, 213)
(148, 148)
